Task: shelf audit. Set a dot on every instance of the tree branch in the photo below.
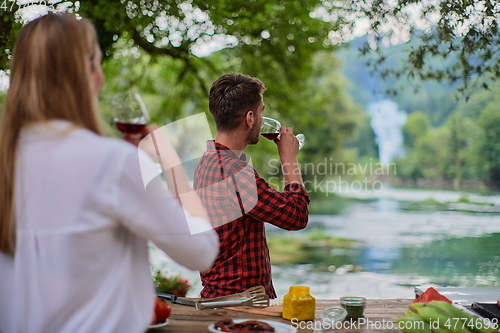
(177, 53)
(191, 68)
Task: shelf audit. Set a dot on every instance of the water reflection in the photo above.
(396, 249)
(467, 261)
(378, 259)
(386, 205)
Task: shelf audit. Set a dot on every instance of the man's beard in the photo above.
(253, 135)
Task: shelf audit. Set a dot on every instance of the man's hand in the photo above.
(288, 148)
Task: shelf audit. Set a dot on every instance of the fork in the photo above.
(254, 291)
(257, 301)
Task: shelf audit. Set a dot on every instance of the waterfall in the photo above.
(386, 123)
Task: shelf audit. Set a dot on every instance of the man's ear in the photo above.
(249, 118)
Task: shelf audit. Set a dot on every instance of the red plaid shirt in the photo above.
(238, 202)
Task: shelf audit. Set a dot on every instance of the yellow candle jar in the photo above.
(299, 304)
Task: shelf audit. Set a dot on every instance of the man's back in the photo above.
(238, 202)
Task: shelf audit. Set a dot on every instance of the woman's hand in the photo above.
(158, 146)
(136, 139)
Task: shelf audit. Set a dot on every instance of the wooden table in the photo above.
(380, 317)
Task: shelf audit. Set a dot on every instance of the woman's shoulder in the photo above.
(99, 142)
(64, 134)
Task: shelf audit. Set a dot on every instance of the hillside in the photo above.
(437, 100)
(432, 133)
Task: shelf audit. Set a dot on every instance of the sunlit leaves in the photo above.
(461, 30)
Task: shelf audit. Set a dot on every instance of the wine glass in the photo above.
(270, 130)
(129, 112)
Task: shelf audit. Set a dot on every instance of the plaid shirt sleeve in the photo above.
(286, 210)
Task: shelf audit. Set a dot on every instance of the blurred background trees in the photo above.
(434, 59)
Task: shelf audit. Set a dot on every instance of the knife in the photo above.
(176, 300)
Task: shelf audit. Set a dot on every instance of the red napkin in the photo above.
(431, 294)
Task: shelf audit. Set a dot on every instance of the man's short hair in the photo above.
(231, 96)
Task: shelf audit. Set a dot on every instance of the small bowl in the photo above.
(334, 313)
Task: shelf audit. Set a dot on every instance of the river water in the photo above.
(395, 249)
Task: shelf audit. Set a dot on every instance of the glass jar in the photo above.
(299, 304)
(333, 314)
(355, 307)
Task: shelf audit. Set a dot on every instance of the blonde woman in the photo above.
(74, 216)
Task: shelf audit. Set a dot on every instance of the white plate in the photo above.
(278, 327)
(165, 323)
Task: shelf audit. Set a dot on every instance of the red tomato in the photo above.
(162, 310)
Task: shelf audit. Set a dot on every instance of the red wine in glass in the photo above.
(130, 128)
(270, 136)
(270, 129)
(130, 113)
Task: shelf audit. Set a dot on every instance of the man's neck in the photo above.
(233, 140)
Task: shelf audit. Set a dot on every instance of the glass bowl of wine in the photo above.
(270, 130)
(129, 112)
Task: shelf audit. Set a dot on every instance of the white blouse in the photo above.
(83, 224)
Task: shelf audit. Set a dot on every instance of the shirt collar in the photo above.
(46, 130)
(216, 147)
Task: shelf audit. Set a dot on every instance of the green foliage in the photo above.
(489, 123)
(425, 205)
(464, 34)
(167, 96)
(363, 139)
(9, 27)
(276, 39)
(434, 205)
(332, 117)
(464, 198)
(311, 247)
(2, 99)
(442, 136)
(416, 126)
(273, 39)
(321, 109)
(466, 147)
(437, 100)
(473, 107)
(159, 47)
(321, 237)
(331, 204)
(170, 285)
(430, 158)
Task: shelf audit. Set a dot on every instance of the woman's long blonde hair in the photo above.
(49, 79)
